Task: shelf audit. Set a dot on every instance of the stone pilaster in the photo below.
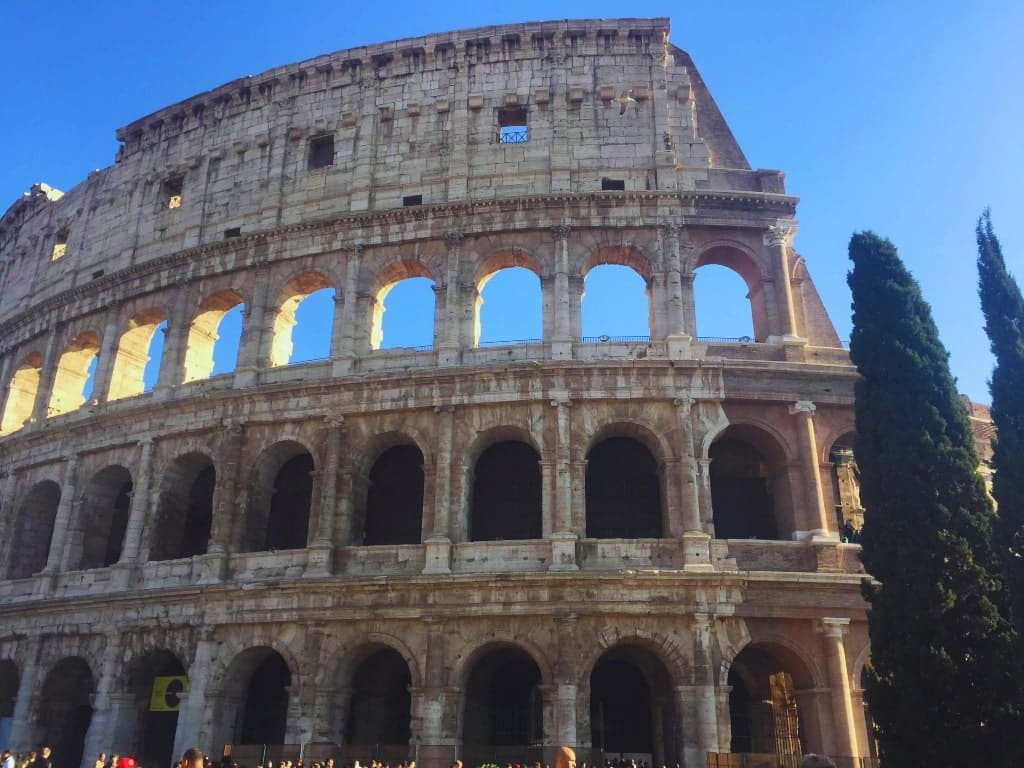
(131, 550)
(22, 737)
(563, 537)
(321, 550)
(345, 352)
(777, 239)
(439, 543)
(62, 522)
(561, 341)
(105, 360)
(833, 630)
(51, 361)
(252, 356)
(815, 513)
(451, 341)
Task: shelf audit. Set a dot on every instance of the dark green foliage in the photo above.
(1004, 323)
(938, 686)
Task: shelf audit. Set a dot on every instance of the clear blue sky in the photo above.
(905, 118)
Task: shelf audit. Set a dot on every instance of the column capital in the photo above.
(234, 427)
(831, 626)
(684, 402)
(671, 228)
(802, 407)
(563, 401)
(146, 442)
(334, 421)
(442, 409)
(453, 238)
(354, 249)
(561, 231)
(780, 233)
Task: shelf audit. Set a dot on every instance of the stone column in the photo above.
(130, 551)
(845, 729)
(561, 341)
(337, 326)
(451, 341)
(321, 550)
(706, 698)
(815, 512)
(578, 476)
(172, 360)
(439, 543)
(696, 541)
(707, 513)
(101, 728)
(51, 361)
(7, 484)
(777, 239)
(223, 534)
(563, 539)
(687, 260)
(433, 749)
(575, 307)
(252, 356)
(190, 714)
(105, 360)
(675, 324)
(22, 735)
(62, 522)
(346, 352)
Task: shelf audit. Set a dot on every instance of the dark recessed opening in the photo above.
(321, 151)
(412, 200)
(232, 232)
(97, 273)
(618, 185)
(512, 125)
(173, 188)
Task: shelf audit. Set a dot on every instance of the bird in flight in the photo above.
(624, 100)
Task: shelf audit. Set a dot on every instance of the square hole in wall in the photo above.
(412, 200)
(614, 185)
(60, 244)
(172, 192)
(321, 151)
(232, 232)
(513, 127)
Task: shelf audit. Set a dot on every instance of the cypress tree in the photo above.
(1003, 307)
(938, 685)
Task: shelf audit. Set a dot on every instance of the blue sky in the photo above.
(904, 118)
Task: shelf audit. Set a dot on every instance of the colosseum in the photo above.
(633, 546)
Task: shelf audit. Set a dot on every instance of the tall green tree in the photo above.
(938, 686)
(1003, 307)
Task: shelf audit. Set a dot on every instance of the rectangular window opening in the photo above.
(615, 185)
(173, 188)
(60, 245)
(321, 151)
(232, 232)
(512, 125)
(412, 200)
(97, 274)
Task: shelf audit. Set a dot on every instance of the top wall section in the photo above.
(375, 128)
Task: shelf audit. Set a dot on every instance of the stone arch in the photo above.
(227, 666)
(751, 493)
(462, 665)
(22, 389)
(487, 267)
(33, 530)
(349, 655)
(488, 436)
(630, 256)
(296, 288)
(126, 379)
(146, 733)
(280, 498)
(389, 490)
(184, 510)
(68, 393)
(103, 518)
(791, 651)
(662, 646)
(506, 486)
(636, 428)
(383, 281)
(202, 333)
(860, 661)
(739, 258)
(65, 710)
(257, 687)
(370, 449)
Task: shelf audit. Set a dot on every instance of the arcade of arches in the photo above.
(636, 697)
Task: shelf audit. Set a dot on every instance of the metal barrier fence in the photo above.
(761, 760)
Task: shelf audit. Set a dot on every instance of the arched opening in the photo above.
(106, 505)
(21, 394)
(280, 496)
(509, 305)
(503, 706)
(379, 710)
(623, 491)
(303, 321)
(846, 489)
(72, 384)
(764, 708)
(394, 498)
(506, 502)
(138, 346)
(185, 509)
(722, 304)
(716, 294)
(403, 314)
(632, 709)
(8, 696)
(617, 295)
(157, 683)
(65, 711)
(33, 530)
(265, 677)
(214, 336)
(749, 485)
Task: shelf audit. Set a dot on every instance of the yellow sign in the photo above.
(168, 693)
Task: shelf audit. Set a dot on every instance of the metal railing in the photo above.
(768, 760)
(510, 342)
(726, 340)
(513, 135)
(605, 339)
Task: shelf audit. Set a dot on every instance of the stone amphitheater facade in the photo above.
(462, 551)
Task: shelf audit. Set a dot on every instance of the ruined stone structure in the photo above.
(623, 545)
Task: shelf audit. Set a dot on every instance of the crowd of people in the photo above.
(41, 759)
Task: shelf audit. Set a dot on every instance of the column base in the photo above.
(438, 555)
(561, 350)
(246, 378)
(211, 568)
(319, 560)
(449, 356)
(342, 366)
(122, 575)
(563, 552)
(696, 552)
(680, 347)
(46, 584)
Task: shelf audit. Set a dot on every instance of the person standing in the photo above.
(44, 760)
(193, 758)
(7, 759)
